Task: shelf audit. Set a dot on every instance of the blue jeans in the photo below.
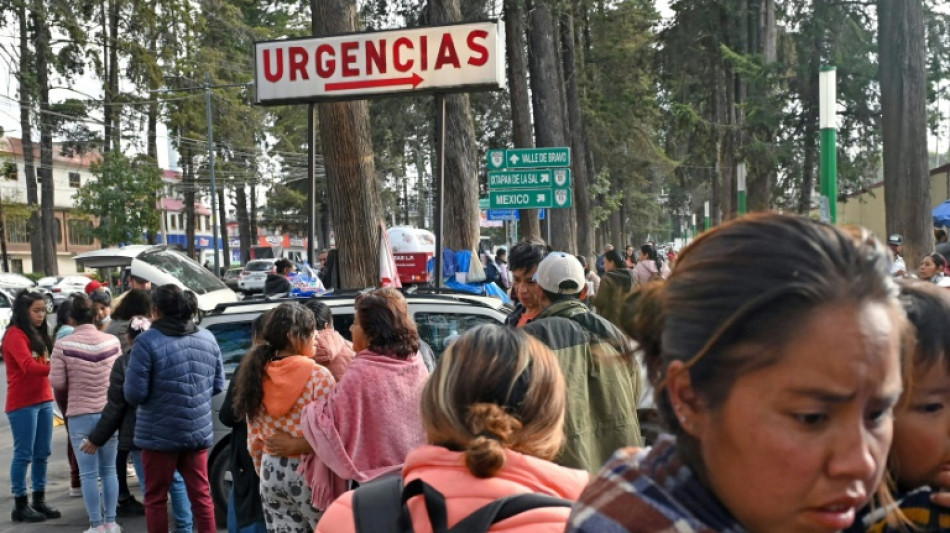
(233, 527)
(92, 467)
(32, 429)
(178, 494)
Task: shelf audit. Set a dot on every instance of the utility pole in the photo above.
(706, 211)
(827, 107)
(740, 174)
(214, 192)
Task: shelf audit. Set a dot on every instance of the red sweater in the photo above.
(27, 378)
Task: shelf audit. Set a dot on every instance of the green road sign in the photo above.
(524, 179)
(531, 198)
(529, 158)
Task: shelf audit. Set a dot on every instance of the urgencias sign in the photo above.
(457, 57)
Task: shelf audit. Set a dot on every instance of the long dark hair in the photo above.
(40, 340)
(650, 251)
(62, 315)
(286, 323)
(136, 302)
(174, 303)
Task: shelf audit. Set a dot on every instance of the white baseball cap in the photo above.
(561, 273)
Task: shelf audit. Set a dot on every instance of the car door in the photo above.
(6, 312)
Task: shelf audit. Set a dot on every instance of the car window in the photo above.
(440, 329)
(5, 302)
(342, 324)
(259, 266)
(192, 275)
(234, 339)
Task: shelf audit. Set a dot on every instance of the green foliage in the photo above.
(122, 198)
(283, 210)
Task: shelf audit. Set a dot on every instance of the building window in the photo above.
(74, 180)
(181, 224)
(9, 171)
(16, 265)
(17, 231)
(80, 232)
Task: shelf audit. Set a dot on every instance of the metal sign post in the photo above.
(827, 113)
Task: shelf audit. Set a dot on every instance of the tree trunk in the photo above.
(582, 180)
(810, 158)
(461, 214)
(351, 172)
(26, 81)
(188, 181)
(244, 224)
(152, 148)
(549, 114)
(902, 51)
(616, 218)
(47, 200)
(223, 222)
(114, 72)
(762, 173)
(530, 226)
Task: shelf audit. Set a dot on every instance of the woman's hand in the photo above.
(88, 448)
(284, 445)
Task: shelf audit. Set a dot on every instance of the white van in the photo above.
(162, 265)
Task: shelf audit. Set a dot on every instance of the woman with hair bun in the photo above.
(775, 377)
(488, 438)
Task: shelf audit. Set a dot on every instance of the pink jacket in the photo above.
(645, 271)
(464, 493)
(333, 351)
(366, 427)
(80, 367)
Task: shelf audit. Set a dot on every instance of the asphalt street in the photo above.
(74, 517)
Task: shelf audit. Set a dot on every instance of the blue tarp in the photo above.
(941, 215)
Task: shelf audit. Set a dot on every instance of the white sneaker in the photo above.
(75, 492)
(97, 529)
(111, 528)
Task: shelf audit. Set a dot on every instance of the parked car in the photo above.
(162, 265)
(231, 277)
(254, 275)
(440, 316)
(6, 311)
(15, 282)
(58, 288)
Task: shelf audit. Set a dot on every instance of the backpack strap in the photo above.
(503, 508)
(377, 505)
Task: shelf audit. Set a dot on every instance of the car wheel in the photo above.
(220, 486)
(50, 304)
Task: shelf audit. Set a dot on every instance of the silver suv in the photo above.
(440, 317)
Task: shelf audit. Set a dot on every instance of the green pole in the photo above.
(693, 233)
(829, 140)
(740, 172)
(706, 211)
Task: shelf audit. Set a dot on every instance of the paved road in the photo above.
(74, 517)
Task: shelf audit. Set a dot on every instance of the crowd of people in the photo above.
(805, 389)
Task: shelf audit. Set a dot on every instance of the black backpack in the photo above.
(380, 507)
(491, 273)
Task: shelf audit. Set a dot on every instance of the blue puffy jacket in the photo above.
(172, 378)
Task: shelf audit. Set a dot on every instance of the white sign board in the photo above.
(358, 65)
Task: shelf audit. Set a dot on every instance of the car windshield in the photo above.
(48, 282)
(192, 275)
(259, 266)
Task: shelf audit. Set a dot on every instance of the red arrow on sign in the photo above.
(413, 80)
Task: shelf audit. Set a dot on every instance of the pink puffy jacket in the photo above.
(464, 493)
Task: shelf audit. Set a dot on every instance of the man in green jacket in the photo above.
(597, 360)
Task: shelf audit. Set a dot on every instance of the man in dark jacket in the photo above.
(614, 287)
(523, 263)
(174, 371)
(277, 282)
(602, 375)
